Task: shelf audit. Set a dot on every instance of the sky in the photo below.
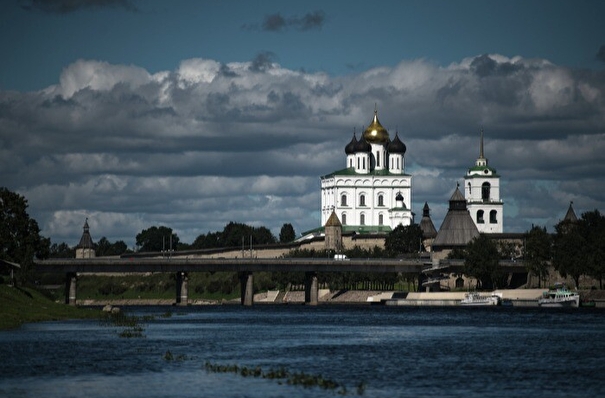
(192, 114)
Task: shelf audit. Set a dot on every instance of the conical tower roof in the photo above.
(426, 224)
(571, 214)
(333, 221)
(86, 240)
(458, 227)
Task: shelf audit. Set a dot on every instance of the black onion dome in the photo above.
(362, 145)
(399, 197)
(396, 146)
(350, 148)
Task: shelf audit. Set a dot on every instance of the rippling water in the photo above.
(394, 351)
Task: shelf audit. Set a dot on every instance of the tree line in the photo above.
(576, 248)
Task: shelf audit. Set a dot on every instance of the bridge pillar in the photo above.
(246, 280)
(182, 288)
(71, 288)
(311, 288)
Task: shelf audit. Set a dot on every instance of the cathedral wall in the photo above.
(371, 188)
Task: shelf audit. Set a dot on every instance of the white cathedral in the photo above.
(372, 193)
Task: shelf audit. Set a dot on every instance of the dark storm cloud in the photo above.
(278, 23)
(225, 71)
(274, 23)
(485, 66)
(314, 20)
(601, 54)
(69, 6)
(262, 62)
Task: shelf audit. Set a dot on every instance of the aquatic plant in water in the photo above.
(296, 379)
(168, 356)
(134, 329)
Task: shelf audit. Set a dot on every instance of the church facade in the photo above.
(372, 193)
(482, 193)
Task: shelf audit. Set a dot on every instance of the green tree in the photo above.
(210, 240)
(538, 252)
(263, 236)
(457, 253)
(591, 227)
(286, 234)
(569, 254)
(106, 248)
(20, 239)
(234, 234)
(155, 239)
(481, 262)
(403, 240)
(62, 250)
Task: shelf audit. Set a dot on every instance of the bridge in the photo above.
(245, 267)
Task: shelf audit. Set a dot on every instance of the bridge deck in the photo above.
(179, 264)
(175, 264)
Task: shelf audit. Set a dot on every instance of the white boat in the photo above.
(476, 299)
(559, 296)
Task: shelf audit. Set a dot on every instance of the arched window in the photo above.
(362, 200)
(493, 217)
(459, 283)
(485, 188)
(480, 217)
(469, 189)
(377, 158)
(350, 162)
(380, 200)
(380, 219)
(344, 218)
(343, 200)
(362, 219)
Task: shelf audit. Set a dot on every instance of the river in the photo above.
(374, 351)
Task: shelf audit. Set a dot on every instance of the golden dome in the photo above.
(375, 133)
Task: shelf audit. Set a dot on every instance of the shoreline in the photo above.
(523, 297)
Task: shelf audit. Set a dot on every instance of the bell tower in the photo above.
(482, 194)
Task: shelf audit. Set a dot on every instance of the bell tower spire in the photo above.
(481, 160)
(481, 147)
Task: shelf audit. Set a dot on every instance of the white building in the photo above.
(372, 193)
(482, 193)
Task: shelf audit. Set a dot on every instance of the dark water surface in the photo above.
(394, 351)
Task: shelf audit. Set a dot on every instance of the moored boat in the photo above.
(559, 296)
(476, 299)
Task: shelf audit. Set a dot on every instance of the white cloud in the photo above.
(98, 75)
(196, 70)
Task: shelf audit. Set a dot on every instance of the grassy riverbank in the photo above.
(23, 305)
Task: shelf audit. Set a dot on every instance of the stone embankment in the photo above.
(519, 297)
(325, 296)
